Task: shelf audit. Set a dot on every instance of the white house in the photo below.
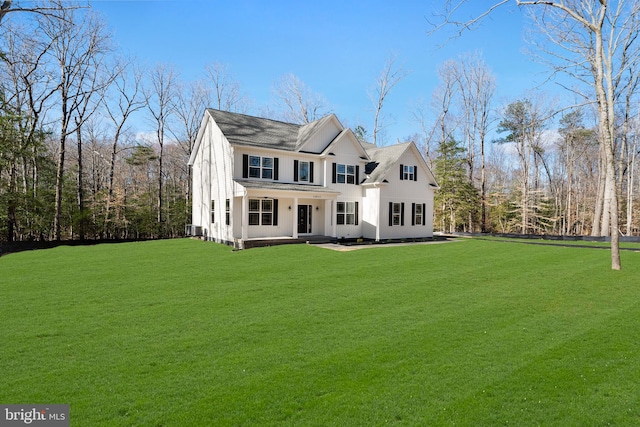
(256, 178)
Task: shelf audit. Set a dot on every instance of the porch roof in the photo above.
(280, 186)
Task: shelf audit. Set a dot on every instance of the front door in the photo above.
(304, 219)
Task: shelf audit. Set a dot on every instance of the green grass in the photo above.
(188, 333)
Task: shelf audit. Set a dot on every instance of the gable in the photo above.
(386, 163)
(347, 144)
(316, 136)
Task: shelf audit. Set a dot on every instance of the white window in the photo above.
(261, 212)
(303, 171)
(397, 214)
(409, 173)
(261, 167)
(346, 174)
(418, 214)
(347, 213)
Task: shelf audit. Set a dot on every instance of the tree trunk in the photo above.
(81, 213)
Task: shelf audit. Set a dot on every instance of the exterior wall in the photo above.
(371, 213)
(322, 138)
(212, 172)
(286, 161)
(407, 192)
(345, 152)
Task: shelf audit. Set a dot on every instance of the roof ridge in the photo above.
(254, 117)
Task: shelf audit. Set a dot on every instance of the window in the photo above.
(345, 174)
(418, 214)
(228, 212)
(347, 213)
(408, 173)
(396, 213)
(213, 210)
(262, 212)
(303, 171)
(261, 167)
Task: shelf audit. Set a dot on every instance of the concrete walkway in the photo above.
(355, 247)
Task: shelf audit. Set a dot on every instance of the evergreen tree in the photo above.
(457, 198)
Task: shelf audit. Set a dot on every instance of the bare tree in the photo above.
(297, 102)
(124, 99)
(79, 42)
(592, 41)
(477, 86)
(227, 94)
(390, 76)
(7, 6)
(161, 95)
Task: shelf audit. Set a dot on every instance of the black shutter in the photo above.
(424, 213)
(310, 171)
(415, 173)
(275, 168)
(402, 214)
(245, 166)
(413, 214)
(390, 214)
(357, 180)
(356, 213)
(335, 173)
(401, 172)
(295, 171)
(275, 211)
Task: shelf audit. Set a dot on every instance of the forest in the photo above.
(75, 165)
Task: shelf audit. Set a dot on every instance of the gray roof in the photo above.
(382, 159)
(248, 130)
(271, 185)
(256, 131)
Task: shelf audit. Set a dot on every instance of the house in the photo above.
(256, 178)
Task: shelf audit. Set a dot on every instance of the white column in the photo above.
(244, 221)
(295, 218)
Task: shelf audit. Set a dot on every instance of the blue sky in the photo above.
(337, 48)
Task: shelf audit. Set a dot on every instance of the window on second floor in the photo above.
(408, 173)
(345, 174)
(259, 167)
(302, 171)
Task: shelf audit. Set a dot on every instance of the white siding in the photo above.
(322, 138)
(212, 170)
(407, 192)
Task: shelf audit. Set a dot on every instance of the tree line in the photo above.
(73, 162)
(573, 167)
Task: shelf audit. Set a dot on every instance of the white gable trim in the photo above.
(196, 146)
(346, 133)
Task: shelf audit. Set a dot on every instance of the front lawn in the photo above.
(190, 333)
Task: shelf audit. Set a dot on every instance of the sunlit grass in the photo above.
(190, 333)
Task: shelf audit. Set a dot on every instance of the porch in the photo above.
(274, 241)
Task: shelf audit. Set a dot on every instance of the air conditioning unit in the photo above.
(191, 230)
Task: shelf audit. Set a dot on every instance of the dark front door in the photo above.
(304, 219)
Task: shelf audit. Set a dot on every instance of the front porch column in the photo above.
(295, 218)
(244, 221)
(332, 214)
